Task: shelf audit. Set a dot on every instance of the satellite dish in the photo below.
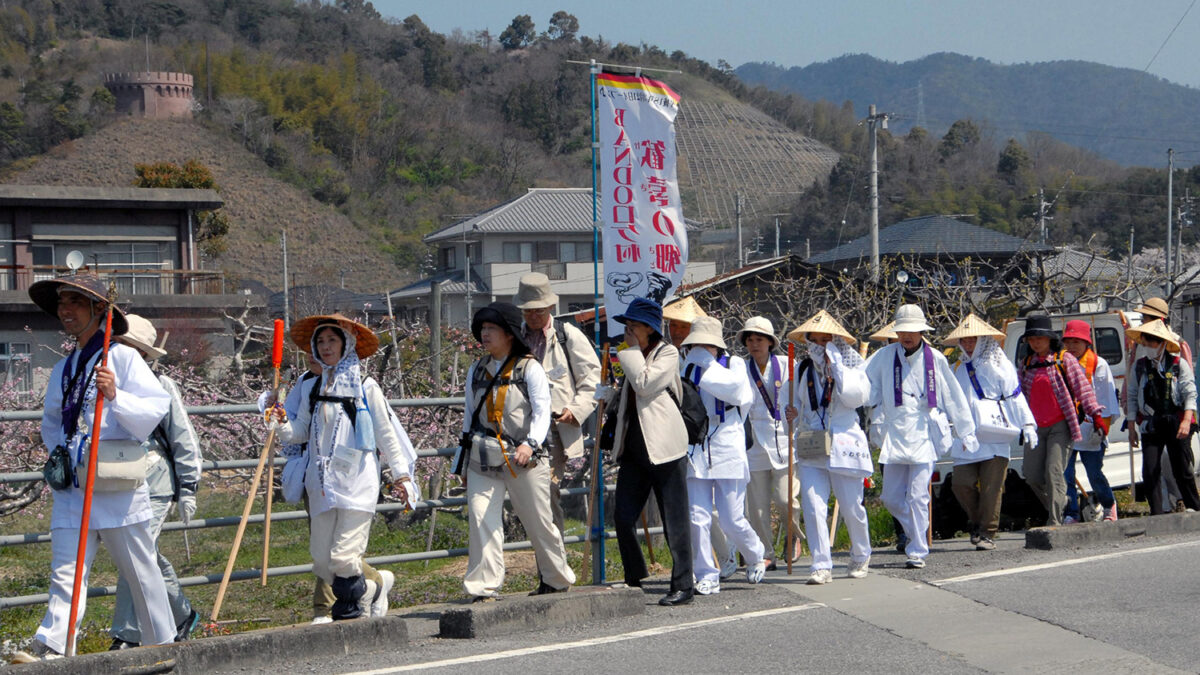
(74, 260)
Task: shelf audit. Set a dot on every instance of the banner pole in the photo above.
(597, 514)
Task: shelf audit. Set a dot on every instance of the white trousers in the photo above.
(906, 495)
(849, 491)
(728, 496)
(132, 549)
(530, 496)
(337, 541)
(766, 488)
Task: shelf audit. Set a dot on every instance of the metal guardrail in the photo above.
(244, 408)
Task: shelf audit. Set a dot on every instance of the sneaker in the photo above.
(858, 569)
(1070, 520)
(707, 587)
(184, 630)
(1111, 512)
(368, 597)
(772, 566)
(914, 563)
(38, 651)
(319, 620)
(901, 542)
(975, 536)
(754, 573)
(380, 606)
(729, 567)
(118, 644)
(985, 544)
(798, 548)
(1180, 507)
(819, 577)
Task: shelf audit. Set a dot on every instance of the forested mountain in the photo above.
(1119, 113)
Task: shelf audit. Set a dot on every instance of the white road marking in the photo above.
(1060, 563)
(635, 635)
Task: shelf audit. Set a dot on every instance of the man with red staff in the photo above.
(133, 404)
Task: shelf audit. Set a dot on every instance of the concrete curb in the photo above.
(514, 614)
(1083, 534)
(252, 649)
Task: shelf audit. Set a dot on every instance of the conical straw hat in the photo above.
(972, 326)
(683, 309)
(1158, 329)
(821, 322)
(884, 334)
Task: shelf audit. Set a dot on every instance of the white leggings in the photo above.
(815, 483)
(728, 496)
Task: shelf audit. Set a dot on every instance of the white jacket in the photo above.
(723, 452)
(770, 435)
(850, 455)
(996, 385)
(1105, 387)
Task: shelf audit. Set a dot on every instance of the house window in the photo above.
(43, 256)
(15, 368)
(553, 270)
(134, 267)
(518, 251)
(574, 251)
(448, 258)
(547, 251)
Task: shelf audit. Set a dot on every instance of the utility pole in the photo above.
(1129, 265)
(741, 253)
(1042, 218)
(435, 336)
(872, 118)
(1170, 209)
(776, 236)
(1185, 219)
(286, 322)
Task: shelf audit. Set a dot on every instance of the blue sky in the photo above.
(799, 32)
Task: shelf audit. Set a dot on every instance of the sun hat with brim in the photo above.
(821, 322)
(884, 334)
(142, 335)
(758, 325)
(686, 310)
(534, 292)
(365, 341)
(503, 314)
(972, 326)
(910, 319)
(45, 295)
(1080, 330)
(1155, 307)
(1158, 329)
(1038, 325)
(642, 310)
(706, 330)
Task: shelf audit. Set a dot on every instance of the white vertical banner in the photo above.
(645, 242)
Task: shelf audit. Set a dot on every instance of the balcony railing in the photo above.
(130, 281)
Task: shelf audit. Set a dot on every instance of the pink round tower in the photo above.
(156, 95)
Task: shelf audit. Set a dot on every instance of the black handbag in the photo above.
(608, 430)
(57, 469)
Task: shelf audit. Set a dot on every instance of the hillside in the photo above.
(321, 241)
(1119, 113)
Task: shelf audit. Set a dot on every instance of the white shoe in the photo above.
(319, 620)
(729, 566)
(38, 651)
(364, 603)
(380, 606)
(707, 587)
(755, 572)
(819, 577)
(914, 563)
(858, 570)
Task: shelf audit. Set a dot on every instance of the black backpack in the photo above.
(691, 407)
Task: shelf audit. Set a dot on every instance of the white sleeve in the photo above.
(1106, 389)
(141, 401)
(387, 441)
(539, 400)
(470, 396)
(853, 387)
(730, 384)
(952, 400)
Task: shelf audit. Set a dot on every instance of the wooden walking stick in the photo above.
(597, 465)
(833, 522)
(646, 534)
(90, 482)
(276, 360)
(791, 545)
(237, 539)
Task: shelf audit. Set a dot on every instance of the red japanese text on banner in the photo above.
(645, 243)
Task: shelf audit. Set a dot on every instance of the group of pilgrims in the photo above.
(778, 433)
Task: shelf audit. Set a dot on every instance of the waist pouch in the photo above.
(121, 465)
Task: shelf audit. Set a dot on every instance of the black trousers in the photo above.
(635, 479)
(1179, 453)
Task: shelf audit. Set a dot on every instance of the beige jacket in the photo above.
(662, 423)
(565, 393)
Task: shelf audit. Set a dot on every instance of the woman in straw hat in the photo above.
(344, 418)
(1058, 392)
(173, 477)
(1162, 404)
(990, 382)
(650, 445)
(920, 407)
(768, 452)
(134, 403)
(503, 451)
(1157, 308)
(832, 386)
(718, 470)
(1077, 339)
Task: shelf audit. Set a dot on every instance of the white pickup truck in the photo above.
(1020, 504)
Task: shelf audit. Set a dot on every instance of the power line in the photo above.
(1168, 38)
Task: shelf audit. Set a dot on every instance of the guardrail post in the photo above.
(598, 533)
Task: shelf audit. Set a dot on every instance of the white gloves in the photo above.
(1031, 439)
(970, 444)
(187, 508)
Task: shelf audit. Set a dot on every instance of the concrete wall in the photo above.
(158, 95)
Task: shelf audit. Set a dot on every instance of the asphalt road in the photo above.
(1113, 608)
